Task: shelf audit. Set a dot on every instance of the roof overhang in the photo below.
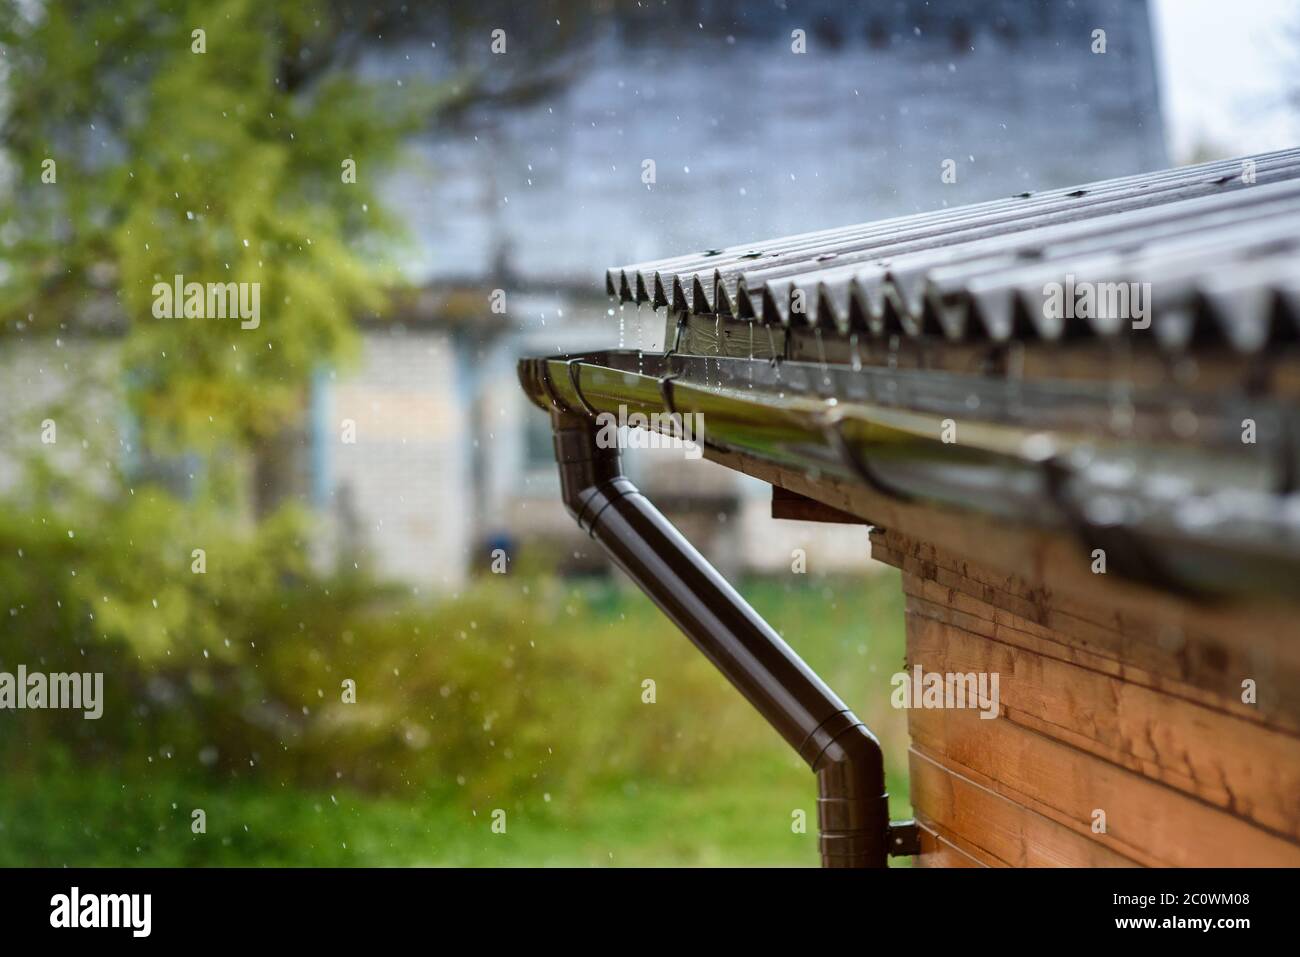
(1183, 517)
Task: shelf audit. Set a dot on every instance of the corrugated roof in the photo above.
(1218, 242)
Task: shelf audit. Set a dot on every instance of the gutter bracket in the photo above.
(547, 387)
(666, 392)
(833, 430)
(677, 334)
(574, 367)
(904, 839)
(1121, 548)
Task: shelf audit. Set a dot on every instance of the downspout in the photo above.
(852, 804)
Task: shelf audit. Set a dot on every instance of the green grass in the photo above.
(666, 811)
(740, 818)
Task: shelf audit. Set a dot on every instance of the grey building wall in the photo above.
(751, 140)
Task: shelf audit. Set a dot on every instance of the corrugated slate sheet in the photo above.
(1219, 244)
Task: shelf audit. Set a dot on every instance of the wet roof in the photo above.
(1218, 243)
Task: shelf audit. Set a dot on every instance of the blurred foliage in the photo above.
(520, 694)
(209, 165)
(517, 685)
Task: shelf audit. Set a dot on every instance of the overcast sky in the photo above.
(1226, 68)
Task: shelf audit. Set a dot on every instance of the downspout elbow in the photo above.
(852, 803)
(590, 475)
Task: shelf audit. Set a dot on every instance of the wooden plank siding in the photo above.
(940, 849)
(1205, 649)
(1245, 768)
(988, 823)
(1095, 713)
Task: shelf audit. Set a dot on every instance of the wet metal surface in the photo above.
(1218, 244)
(1205, 514)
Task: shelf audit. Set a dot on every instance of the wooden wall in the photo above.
(1137, 716)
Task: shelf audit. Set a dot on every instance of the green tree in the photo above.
(140, 140)
(134, 149)
(201, 139)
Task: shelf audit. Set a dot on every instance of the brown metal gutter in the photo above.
(1208, 517)
(852, 805)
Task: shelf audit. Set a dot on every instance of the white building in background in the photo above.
(389, 468)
